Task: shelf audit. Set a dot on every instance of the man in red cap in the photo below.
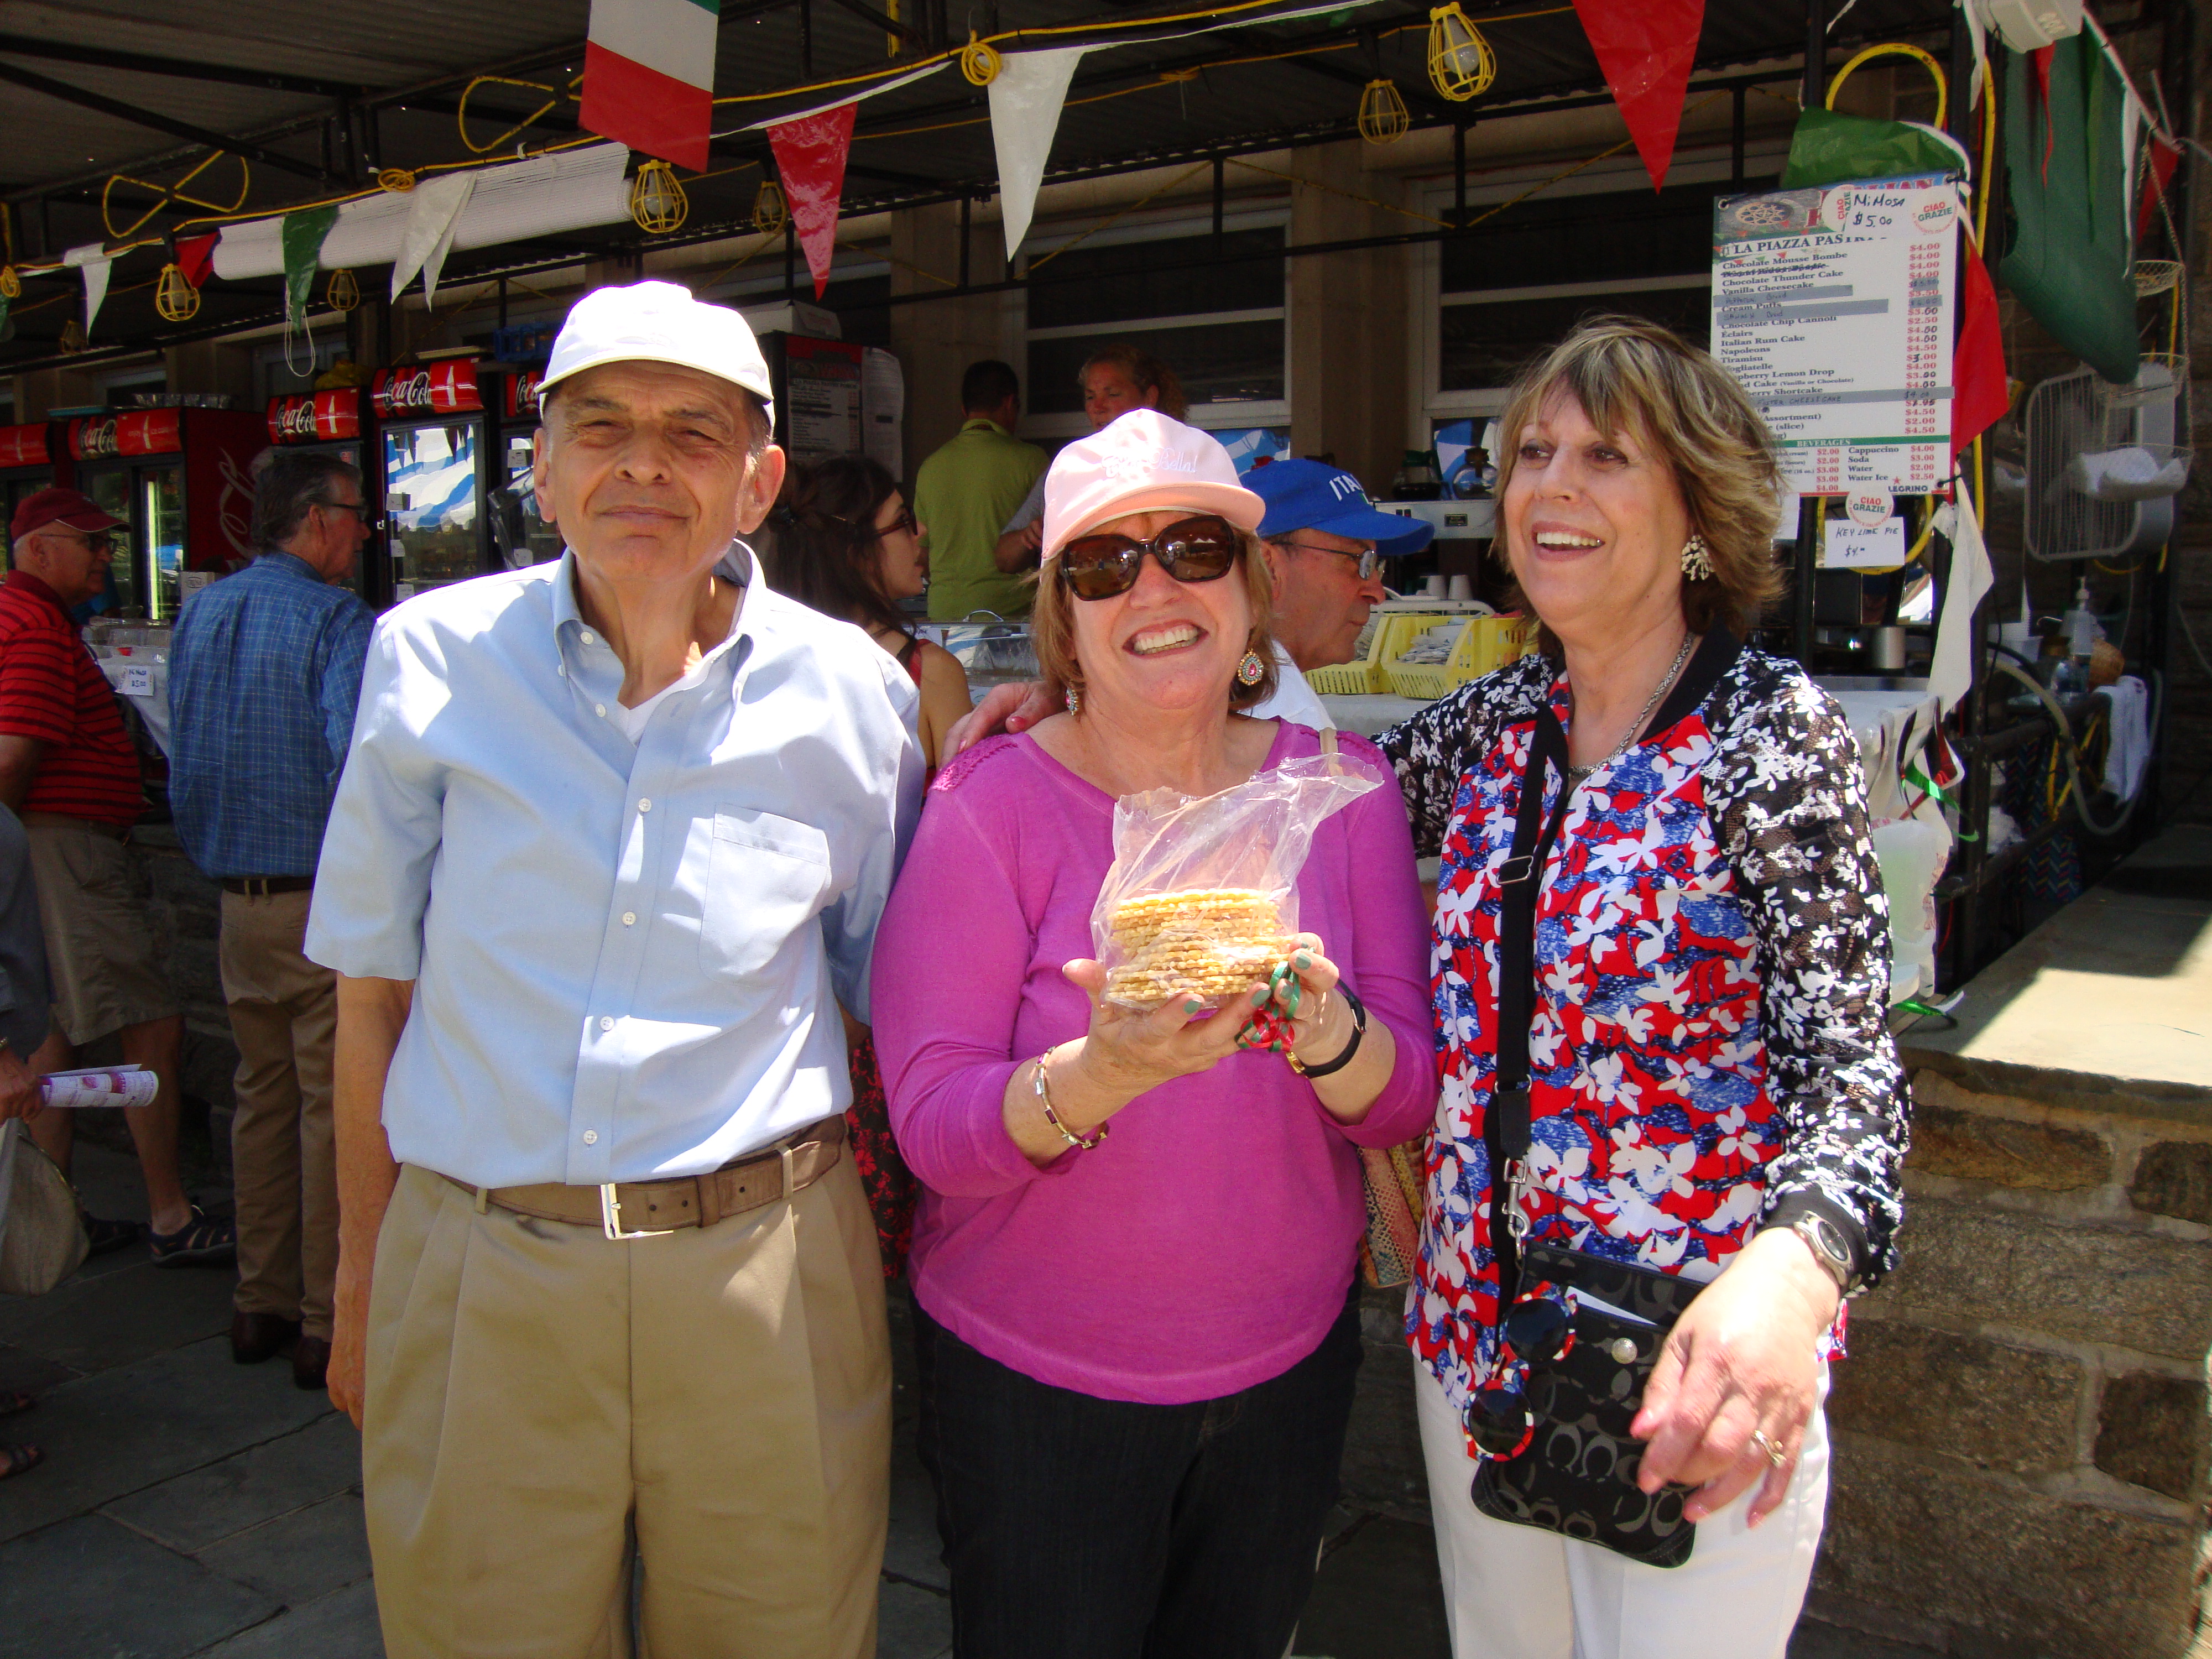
(69, 770)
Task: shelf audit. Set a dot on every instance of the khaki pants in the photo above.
(283, 1011)
(538, 1392)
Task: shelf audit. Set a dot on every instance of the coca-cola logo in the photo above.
(292, 420)
(403, 391)
(444, 388)
(96, 437)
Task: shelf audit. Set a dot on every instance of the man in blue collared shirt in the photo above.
(264, 674)
(615, 834)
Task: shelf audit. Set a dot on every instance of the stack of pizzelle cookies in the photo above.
(1210, 944)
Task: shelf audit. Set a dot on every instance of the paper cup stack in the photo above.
(1210, 944)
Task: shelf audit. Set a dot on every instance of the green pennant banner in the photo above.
(303, 232)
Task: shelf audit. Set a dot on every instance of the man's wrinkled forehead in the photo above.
(664, 390)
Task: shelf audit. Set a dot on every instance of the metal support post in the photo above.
(1220, 187)
(967, 234)
(1735, 137)
(1459, 174)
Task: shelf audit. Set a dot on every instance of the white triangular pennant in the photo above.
(433, 209)
(1951, 675)
(1025, 100)
(91, 260)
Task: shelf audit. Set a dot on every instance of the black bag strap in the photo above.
(1506, 1127)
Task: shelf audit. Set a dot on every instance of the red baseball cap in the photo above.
(71, 508)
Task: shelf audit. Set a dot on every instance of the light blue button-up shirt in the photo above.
(625, 956)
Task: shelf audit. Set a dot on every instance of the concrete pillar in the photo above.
(1348, 317)
(935, 340)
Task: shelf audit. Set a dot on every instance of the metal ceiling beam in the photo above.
(63, 51)
(122, 111)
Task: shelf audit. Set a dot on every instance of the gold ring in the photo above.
(1773, 1451)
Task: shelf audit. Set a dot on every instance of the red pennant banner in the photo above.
(2158, 172)
(810, 159)
(1979, 394)
(196, 257)
(1645, 48)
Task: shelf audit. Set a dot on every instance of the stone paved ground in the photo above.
(191, 1507)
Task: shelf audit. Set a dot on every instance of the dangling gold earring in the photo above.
(1697, 562)
(1250, 669)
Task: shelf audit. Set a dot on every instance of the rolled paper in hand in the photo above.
(126, 1085)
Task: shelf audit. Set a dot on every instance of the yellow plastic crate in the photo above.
(1484, 643)
(1368, 676)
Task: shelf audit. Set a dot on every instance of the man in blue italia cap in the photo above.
(1325, 543)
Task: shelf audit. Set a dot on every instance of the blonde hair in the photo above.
(1052, 629)
(1632, 375)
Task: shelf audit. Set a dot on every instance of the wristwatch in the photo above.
(1829, 1247)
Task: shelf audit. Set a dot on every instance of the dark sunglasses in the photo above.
(1536, 1330)
(1196, 550)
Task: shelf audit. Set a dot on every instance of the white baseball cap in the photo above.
(1141, 462)
(658, 322)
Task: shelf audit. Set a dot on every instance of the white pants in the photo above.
(1515, 1592)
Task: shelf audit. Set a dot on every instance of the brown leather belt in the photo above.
(644, 1209)
(267, 886)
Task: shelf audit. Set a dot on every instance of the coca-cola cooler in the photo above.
(27, 466)
(329, 423)
(436, 440)
(182, 479)
(519, 535)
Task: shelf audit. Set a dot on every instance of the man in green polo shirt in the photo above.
(964, 493)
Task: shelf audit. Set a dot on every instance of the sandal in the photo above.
(15, 1405)
(102, 1235)
(15, 1459)
(200, 1242)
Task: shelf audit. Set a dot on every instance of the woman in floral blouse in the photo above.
(1712, 1084)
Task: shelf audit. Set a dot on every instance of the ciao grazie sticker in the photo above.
(1869, 507)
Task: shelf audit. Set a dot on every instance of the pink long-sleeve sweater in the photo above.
(1208, 1245)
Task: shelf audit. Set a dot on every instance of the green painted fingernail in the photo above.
(1260, 996)
(1190, 1007)
(1304, 960)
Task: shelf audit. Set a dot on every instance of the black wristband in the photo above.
(1358, 1031)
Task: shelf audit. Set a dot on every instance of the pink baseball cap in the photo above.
(1140, 462)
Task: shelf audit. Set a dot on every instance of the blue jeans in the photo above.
(1076, 1528)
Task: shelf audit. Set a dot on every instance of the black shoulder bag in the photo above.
(1575, 1470)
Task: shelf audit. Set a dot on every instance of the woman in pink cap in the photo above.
(1134, 1260)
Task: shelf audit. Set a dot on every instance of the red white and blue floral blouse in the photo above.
(1709, 1051)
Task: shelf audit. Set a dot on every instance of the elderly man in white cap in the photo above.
(614, 837)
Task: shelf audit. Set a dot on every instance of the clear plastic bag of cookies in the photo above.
(1202, 898)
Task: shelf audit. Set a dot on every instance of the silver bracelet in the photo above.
(1044, 1099)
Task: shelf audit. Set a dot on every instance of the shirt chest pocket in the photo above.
(767, 878)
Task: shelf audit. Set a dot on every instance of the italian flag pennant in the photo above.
(1645, 48)
(810, 160)
(649, 76)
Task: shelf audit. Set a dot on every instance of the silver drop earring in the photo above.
(1075, 699)
(1697, 562)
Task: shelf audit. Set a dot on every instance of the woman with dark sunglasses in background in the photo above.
(1136, 1242)
(843, 540)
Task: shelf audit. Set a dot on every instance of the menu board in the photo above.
(1832, 306)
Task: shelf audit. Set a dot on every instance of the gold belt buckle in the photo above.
(610, 1218)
